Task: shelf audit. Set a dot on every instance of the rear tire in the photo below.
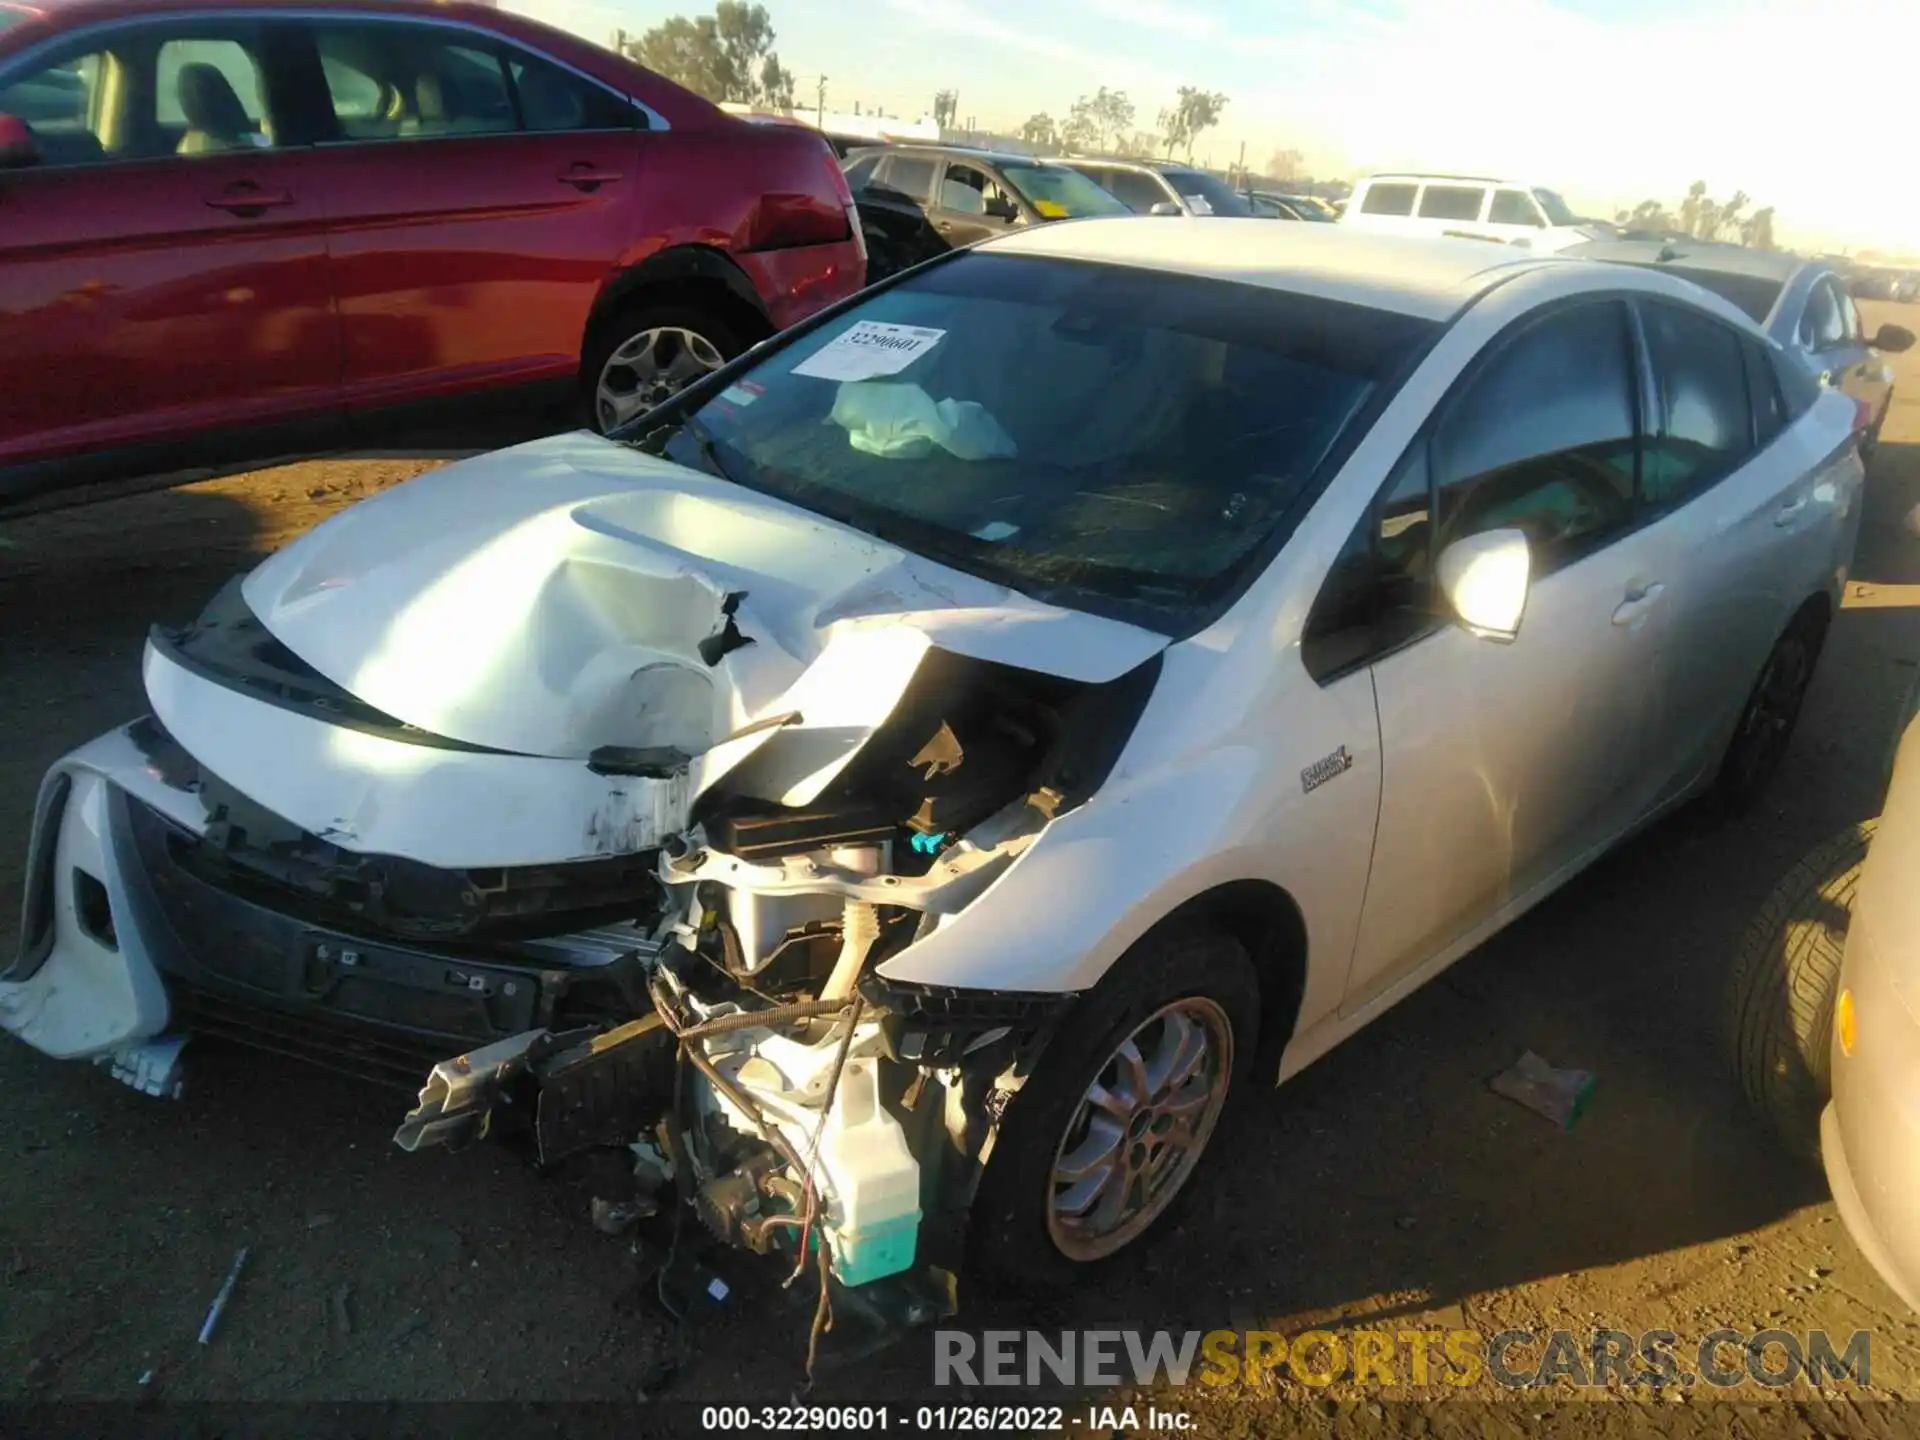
(647, 350)
(1777, 1013)
(1029, 1227)
(1767, 721)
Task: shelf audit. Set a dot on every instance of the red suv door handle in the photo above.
(588, 177)
(247, 198)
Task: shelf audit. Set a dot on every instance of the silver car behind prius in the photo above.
(938, 763)
(1803, 305)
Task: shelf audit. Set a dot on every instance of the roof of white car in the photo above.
(1428, 277)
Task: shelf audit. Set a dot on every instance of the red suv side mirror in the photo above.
(18, 145)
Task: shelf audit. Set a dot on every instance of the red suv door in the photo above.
(479, 194)
(163, 270)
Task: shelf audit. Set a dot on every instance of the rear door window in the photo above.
(553, 99)
(416, 82)
(1514, 207)
(1704, 429)
(1822, 327)
(860, 172)
(1137, 191)
(1770, 413)
(1451, 202)
(1388, 200)
(908, 175)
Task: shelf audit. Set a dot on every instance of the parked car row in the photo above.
(238, 233)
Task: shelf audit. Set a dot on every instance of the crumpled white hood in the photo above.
(550, 599)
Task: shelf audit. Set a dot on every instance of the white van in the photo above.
(1472, 206)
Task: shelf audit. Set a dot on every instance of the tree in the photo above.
(1705, 218)
(1141, 145)
(1040, 132)
(1098, 121)
(1691, 207)
(1707, 222)
(1649, 215)
(1284, 165)
(725, 56)
(1729, 220)
(1197, 111)
(1757, 229)
(946, 106)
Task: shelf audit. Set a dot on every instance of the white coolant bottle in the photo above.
(875, 1181)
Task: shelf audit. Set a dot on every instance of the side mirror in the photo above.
(1894, 339)
(999, 209)
(1166, 207)
(1484, 578)
(19, 147)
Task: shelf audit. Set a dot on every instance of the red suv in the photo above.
(239, 228)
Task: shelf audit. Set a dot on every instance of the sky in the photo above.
(1608, 101)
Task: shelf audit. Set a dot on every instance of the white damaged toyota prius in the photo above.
(911, 782)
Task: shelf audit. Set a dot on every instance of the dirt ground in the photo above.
(1387, 1185)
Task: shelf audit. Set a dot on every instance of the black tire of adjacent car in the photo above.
(660, 311)
(1009, 1244)
(1754, 753)
(1778, 1009)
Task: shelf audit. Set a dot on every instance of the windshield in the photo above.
(1206, 194)
(1059, 193)
(1558, 211)
(1125, 441)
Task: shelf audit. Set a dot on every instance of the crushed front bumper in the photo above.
(125, 949)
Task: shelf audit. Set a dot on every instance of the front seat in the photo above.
(216, 120)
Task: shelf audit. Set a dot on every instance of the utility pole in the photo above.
(820, 111)
(619, 42)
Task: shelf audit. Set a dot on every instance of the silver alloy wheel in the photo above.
(650, 368)
(1140, 1128)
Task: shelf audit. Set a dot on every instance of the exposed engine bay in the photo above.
(593, 799)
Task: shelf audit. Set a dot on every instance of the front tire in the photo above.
(1094, 1152)
(1777, 1013)
(647, 351)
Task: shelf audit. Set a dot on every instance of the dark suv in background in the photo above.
(231, 232)
(918, 201)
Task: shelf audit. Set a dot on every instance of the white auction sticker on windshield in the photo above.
(872, 348)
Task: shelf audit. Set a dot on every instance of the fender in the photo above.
(1125, 858)
(677, 264)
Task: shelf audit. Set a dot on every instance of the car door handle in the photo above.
(245, 197)
(1790, 511)
(1639, 600)
(588, 177)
